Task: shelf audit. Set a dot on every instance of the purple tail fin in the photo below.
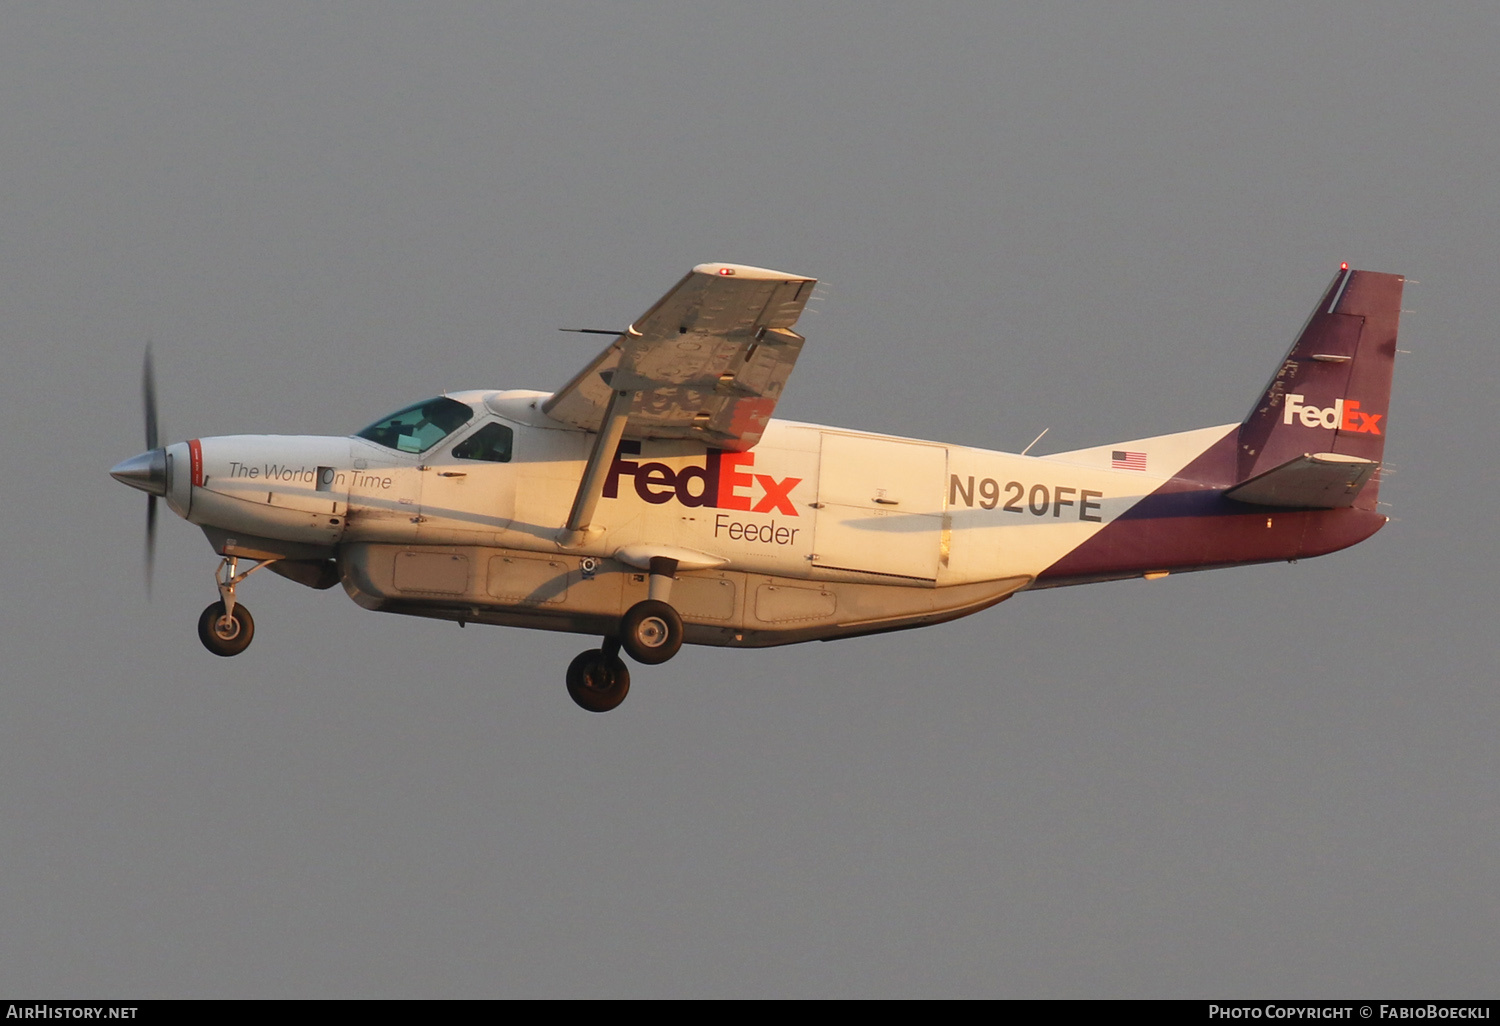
(1333, 389)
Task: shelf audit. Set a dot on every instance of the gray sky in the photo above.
(1105, 219)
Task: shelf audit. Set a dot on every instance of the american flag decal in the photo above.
(1121, 460)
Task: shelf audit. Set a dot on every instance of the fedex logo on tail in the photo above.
(1343, 415)
(724, 482)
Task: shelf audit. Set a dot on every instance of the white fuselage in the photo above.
(815, 532)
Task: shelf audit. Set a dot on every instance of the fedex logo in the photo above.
(723, 483)
(1343, 415)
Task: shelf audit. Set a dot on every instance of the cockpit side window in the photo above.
(492, 442)
(419, 427)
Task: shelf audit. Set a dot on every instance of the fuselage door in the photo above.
(468, 487)
(881, 506)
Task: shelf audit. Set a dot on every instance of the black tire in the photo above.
(226, 637)
(598, 682)
(651, 632)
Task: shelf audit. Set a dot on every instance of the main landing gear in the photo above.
(598, 679)
(650, 632)
(226, 628)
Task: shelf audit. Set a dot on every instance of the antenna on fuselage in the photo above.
(1035, 440)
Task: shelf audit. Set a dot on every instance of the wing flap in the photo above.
(707, 362)
(1322, 480)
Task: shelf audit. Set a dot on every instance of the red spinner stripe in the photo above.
(195, 458)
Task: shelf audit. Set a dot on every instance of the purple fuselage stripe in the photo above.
(1187, 524)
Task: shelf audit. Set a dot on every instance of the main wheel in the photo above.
(598, 682)
(651, 632)
(226, 635)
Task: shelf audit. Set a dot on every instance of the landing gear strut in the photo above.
(226, 628)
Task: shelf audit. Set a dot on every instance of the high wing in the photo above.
(707, 362)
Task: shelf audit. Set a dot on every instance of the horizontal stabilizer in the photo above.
(1320, 480)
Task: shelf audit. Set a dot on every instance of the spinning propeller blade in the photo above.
(148, 400)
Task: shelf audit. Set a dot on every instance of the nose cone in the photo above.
(148, 472)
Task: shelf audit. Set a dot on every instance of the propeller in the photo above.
(148, 400)
(148, 471)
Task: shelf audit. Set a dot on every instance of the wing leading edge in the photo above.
(708, 362)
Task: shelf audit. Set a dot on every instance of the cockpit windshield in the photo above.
(419, 427)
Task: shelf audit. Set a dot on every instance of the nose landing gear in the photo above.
(226, 628)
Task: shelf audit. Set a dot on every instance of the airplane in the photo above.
(653, 501)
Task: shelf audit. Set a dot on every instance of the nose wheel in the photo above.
(226, 632)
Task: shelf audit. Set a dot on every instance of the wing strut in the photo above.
(606, 443)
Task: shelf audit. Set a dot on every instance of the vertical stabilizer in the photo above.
(1332, 391)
